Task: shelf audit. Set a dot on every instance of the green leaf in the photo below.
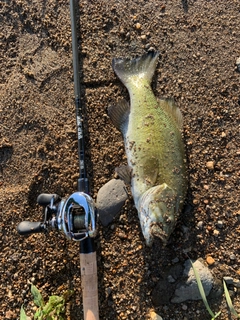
(67, 294)
(38, 314)
(229, 301)
(55, 305)
(37, 297)
(202, 293)
(23, 315)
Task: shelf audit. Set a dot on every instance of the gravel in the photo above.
(199, 45)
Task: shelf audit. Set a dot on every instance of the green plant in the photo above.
(54, 309)
(203, 296)
(229, 301)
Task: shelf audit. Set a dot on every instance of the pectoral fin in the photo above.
(124, 172)
(150, 170)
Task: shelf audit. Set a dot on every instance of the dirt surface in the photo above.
(199, 44)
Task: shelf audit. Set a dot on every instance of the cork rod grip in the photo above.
(89, 282)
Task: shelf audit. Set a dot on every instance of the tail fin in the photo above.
(142, 67)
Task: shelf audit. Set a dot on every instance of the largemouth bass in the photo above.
(154, 147)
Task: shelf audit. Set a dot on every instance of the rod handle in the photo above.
(89, 280)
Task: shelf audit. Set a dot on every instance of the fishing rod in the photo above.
(76, 215)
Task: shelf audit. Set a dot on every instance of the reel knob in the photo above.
(27, 227)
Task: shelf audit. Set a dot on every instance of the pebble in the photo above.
(216, 233)
(236, 283)
(110, 199)
(200, 224)
(210, 260)
(219, 224)
(122, 235)
(238, 63)
(232, 256)
(171, 279)
(184, 307)
(154, 316)
(175, 260)
(138, 26)
(195, 201)
(210, 165)
(228, 280)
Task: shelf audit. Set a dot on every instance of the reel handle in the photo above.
(44, 199)
(27, 227)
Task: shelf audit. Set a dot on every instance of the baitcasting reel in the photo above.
(76, 216)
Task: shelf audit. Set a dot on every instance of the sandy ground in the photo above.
(199, 44)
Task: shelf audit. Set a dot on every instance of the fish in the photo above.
(152, 133)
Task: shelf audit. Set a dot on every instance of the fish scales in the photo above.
(154, 147)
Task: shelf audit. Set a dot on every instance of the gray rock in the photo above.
(187, 289)
(110, 199)
(228, 280)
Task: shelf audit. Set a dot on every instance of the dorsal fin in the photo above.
(170, 107)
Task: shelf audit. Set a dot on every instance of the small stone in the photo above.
(143, 37)
(216, 233)
(175, 260)
(232, 256)
(223, 135)
(151, 49)
(138, 26)
(210, 165)
(228, 280)
(184, 307)
(122, 235)
(154, 316)
(9, 314)
(238, 63)
(219, 224)
(236, 283)
(200, 225)
(210, 260)
(171, 279)
(195, 201)
(185, 229)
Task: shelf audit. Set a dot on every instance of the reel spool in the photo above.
(76, 216)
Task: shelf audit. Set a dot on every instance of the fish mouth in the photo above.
(157, 230)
